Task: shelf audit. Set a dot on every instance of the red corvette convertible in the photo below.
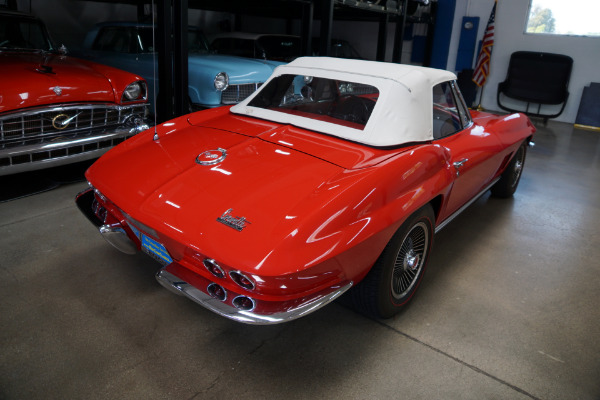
(333, 177)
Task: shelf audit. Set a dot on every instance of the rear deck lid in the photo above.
(344, 153)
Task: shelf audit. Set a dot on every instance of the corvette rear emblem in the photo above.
(211, 157)
(237, 223)
(57, 90)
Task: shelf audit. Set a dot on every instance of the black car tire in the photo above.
(398, 271)
(509, 180)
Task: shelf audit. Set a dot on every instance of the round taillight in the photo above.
(214, 268)
(242, 280)
(217, 291)
(243, 303)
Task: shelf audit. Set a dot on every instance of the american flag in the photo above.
(482, 68)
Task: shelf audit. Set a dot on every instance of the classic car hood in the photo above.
(240, 70)
(29, 79)
(165, 188)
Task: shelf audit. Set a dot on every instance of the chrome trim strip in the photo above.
(182, 288)
(464, 207)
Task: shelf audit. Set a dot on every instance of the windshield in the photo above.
(340, 102)
(343, 49)
(281, 48)
(23, 33)
(196, 40)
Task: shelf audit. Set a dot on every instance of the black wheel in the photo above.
(396, 275)
(509, 180)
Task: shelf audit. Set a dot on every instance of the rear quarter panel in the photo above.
(362, 210)
(510, 129)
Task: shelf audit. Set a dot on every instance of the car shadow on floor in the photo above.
(29, 183)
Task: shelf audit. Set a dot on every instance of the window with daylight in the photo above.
(559, 17)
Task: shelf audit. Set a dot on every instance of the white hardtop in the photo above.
(403, 113)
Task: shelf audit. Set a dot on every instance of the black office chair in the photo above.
(536, 78)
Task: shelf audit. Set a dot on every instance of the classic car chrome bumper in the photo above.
(112, 233)
(44, 155)
(179, 286)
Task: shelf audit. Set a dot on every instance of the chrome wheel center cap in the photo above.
(411, 261)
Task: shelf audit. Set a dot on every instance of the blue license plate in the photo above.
(156, 250)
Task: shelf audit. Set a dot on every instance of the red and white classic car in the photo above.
(56, 109)
(333, 177)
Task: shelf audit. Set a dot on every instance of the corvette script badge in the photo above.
(237, 223)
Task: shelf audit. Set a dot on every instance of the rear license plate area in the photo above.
(156, 250)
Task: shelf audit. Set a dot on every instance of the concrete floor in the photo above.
(508, 309)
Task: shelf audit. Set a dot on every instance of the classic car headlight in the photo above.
(135, 91)
(221, 81)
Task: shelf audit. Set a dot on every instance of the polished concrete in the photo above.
(508, 309)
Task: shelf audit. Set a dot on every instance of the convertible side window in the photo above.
(446, 117)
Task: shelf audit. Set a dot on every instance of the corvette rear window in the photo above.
(339, 102)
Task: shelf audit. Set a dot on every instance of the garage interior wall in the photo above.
(511, 18)
(68, 21)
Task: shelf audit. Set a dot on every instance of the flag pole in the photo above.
(479, 106)
(482, 66)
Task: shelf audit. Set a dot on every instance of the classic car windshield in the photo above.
(196, 41)
(23, 33)
(280, 47)
(125, 39)
(340, 102)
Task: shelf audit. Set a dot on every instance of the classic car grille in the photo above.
(41, 134)
(40, 125)
(236, 93)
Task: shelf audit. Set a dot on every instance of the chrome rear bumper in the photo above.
(183, 281)
(183, 288)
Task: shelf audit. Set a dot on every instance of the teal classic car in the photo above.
(213, 80)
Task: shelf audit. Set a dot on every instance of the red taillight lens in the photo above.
(217, 291)
(242, 280)
(214, 268)
(243, 303)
